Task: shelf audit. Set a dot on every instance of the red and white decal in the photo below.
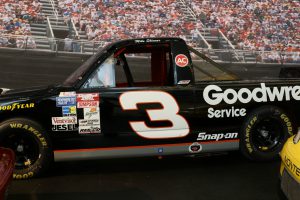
(168, 112)
(87, 104)
(88, 97)
(181, 60)
(87, 100)
(67, 94)
(64, 120)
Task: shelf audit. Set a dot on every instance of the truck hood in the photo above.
(7, 93)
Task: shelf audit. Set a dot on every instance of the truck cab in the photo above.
(162, 62)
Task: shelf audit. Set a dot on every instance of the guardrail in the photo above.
(70, 46)
(75, 29)
(230, 44)
(227, 56)
(203, 39)
(49, 29)
(54, 9)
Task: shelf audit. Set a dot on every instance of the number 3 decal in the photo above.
(168, 112)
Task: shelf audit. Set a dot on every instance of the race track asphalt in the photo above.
(209, 178)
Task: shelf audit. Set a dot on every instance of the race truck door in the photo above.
(216, 130)
(144, 96)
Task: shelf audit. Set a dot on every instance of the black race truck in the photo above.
(147, 97)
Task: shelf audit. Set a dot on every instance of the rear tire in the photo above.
(264, 133)
(31, 144)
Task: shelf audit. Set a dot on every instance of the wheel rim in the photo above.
(267, 134)
(25, 146)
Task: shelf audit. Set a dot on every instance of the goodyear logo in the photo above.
(17, 106)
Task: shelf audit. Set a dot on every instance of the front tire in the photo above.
(264, 133)
(31, 145)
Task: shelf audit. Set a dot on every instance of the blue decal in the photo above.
(65, 101)
(69, 110)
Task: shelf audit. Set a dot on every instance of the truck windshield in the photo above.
(77, 74)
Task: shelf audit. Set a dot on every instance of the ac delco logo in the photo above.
(181, 60)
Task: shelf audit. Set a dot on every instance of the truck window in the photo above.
(103, 76)
(134, 66)
(205, 69)
(146, 65)
(140, 66)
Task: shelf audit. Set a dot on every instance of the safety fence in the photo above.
(70, 46)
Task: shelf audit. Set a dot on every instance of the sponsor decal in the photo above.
(195, 147)
(64, 120)
(183, 82)
(69, 110)
(87, 100)
(67, 94)
(213, 94)
(89, 129)
(88, 97)
(89, 122)
(31, 129)
(203, 136)
(91, 113)
(233, 112)
(17, 106)
(181, 60)
(88, 104)
(65, 101)
(64, 127)
(292, 167)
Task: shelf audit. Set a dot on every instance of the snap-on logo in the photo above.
(181, 60)
(214, 95)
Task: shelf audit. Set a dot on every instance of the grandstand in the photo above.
(227, 30)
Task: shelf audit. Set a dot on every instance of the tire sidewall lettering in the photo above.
(23, 176)
(288, 123)
(32, 130)
(248, 138)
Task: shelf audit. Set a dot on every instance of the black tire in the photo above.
(31, 145)
(264, 133)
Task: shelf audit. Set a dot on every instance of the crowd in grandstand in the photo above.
(15, 19)
(109, 20)
(263, 25)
